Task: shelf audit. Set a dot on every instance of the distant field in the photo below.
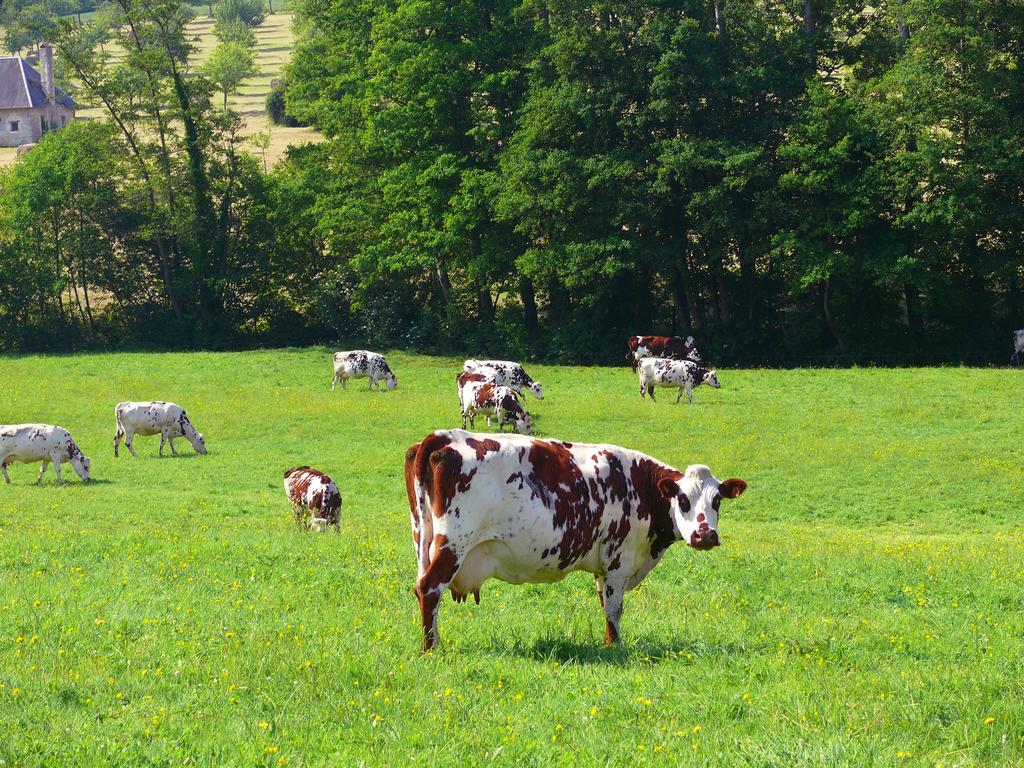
(274, 42)
(865, 607)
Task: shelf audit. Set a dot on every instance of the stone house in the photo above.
(30, 102)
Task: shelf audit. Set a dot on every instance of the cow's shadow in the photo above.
(567, 651)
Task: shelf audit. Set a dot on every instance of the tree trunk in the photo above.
(444, 281)
(528, 296)
(484, 305)
(719, 18)
(693, 303)
(915, 323)
(808, 19)
(829, 320)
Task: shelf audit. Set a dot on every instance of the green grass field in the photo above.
(865, 607)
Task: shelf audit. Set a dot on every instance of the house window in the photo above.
(15, 126)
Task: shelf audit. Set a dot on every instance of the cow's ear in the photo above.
(732, 488)
(668, 488)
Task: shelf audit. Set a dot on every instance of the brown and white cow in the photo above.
(524, 510)
(315, 499)
(488, 399)
(671, 347)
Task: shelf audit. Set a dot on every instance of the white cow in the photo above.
(154, 418)
(683, 375)
(1018, 345)
(507, 374)
(41, 442)
(360, 364)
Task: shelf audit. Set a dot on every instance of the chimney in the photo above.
(46, 71)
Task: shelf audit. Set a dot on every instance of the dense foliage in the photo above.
(790, 180)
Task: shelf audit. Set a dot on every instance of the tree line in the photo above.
(791, 181)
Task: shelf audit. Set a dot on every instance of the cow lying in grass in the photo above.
(683, 375)
(524, 510)
(484, 397)
(315, 499)
(28, 443)
(168, 420)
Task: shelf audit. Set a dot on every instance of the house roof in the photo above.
(22, 87)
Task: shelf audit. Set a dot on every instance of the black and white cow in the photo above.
(524, 510)
(155, 417)
(315, 499)
(505, 373)
(1018, 346)
(489, 399)
(29, 443)
(360, 364)
(683, 375)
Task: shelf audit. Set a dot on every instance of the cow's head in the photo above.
(82, 465)
(198, 441)
(524, 423)
(711, 379)
(534, 389)
(693, 503)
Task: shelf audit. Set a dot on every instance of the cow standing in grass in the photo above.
(506, 373)
(168, 420)
(671, 347)
(361, 364)
(683, 375)
(524, 510)
(315, 499)
(28, 443)
(488, 399)
(1018, 346)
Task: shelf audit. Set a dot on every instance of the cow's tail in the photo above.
(119, 430)
(419, 509)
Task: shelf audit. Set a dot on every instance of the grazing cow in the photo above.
(41, 442)
(1018, 346)
(316, 502)
(507, 374)
(168, 420)
(522, 510)
(671, 347)
(485, 397)
(465, 377)
(361, 364)
(681, 374)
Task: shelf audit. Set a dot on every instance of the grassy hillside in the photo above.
(864, 607)
(274, 42)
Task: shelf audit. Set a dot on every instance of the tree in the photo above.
(229, 64)
(248, 12)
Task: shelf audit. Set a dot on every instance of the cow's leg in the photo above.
(370, 385)
(163, 439)
(117, 440)
(689, 393)
(128, 442)
(614, 592)
(56, 467)
(650, 391)
(3, 468)
(430, 588)
(599, 582)
(42, 470)
(643, 387)
(170, 442)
